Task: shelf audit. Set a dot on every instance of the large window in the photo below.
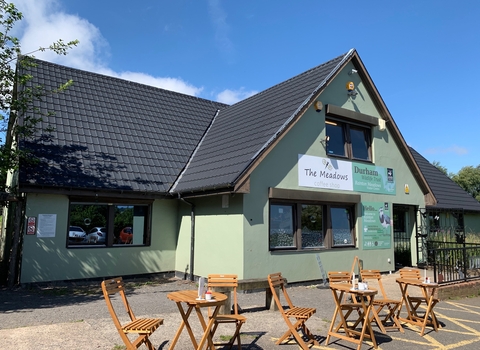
(300, 225)
(348, 140)
(108, 224)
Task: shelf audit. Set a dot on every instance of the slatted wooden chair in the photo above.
(414, 301)
(385, 307)
(143, 327)
(346, 305)
(300, 314)
(341, 277)
(217, 281)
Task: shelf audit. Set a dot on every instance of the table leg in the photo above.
(429, 311)
(367, 319)
(406, 301)
(184, 323)
(207, 335)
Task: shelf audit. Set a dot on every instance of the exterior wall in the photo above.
(279, 169)
(218, 237)
(472, 224)
(48, 259)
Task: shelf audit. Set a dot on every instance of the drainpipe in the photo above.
(192, 235)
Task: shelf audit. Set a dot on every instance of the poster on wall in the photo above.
(337, 174)
(377, 225)
(46, 225)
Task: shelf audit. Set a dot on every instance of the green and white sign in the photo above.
(337, 174)
(377, 225)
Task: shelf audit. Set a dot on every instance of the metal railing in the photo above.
(454, 261)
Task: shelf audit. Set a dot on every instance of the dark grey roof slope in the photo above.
(240, 132)
(113, 134)
(449, 195)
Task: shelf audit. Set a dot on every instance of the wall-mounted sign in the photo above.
(336, 174)
(377, 225)
(31, 225)
(47, 224)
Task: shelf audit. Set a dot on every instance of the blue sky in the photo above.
(421, 55)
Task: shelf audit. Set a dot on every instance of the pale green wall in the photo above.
(218, 236)
(472, 223)
(48, 259)
(279, 169)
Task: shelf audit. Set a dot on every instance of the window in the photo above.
(112, 224)
(300, 225)
(348, 140)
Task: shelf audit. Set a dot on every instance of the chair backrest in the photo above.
(111, 287)
(410, 273)
(339, 276)
(277, 284)
(225, 281)
(374, 275)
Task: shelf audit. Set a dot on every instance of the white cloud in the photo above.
(222, 29)
(45, 22)
(232, 96)
(172, 84)
(447, 150)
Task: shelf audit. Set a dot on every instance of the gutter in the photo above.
(192, 234)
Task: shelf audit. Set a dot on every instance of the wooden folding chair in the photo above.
(144, 327)
(354, 305)
(231, 282)
(385, 304)
(341, 277)
(414, 301)
(300, 314)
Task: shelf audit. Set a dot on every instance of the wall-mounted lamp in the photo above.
(325, 140)
(318, 106)
(352, 93)
(351, 89)
(353, 71)
(382, 124)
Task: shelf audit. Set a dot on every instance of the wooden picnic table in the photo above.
(186, 301)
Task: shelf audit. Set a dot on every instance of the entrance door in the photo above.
(402, 233)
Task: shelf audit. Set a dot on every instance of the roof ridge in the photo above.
(263, 92)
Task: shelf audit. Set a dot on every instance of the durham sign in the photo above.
(341, 175)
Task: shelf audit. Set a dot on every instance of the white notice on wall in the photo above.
(46, 225)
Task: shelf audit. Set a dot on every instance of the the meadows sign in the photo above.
(341, 175)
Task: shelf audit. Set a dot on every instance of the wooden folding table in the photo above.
(191, 301)
(428, 291)
(363, 308)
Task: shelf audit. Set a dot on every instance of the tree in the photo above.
(468, 178)
(440, 167)
(17, 95)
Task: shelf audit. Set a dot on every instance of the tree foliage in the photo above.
(468, 178)
(17, 93)
(440, 167)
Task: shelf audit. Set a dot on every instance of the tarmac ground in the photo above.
(76, 317)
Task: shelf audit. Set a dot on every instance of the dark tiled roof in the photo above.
(449, 195)
(242, 131)
(114, 134)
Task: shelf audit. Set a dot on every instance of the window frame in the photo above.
(355, 119)
(111, 204)
(348, 146)
(326, 224)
